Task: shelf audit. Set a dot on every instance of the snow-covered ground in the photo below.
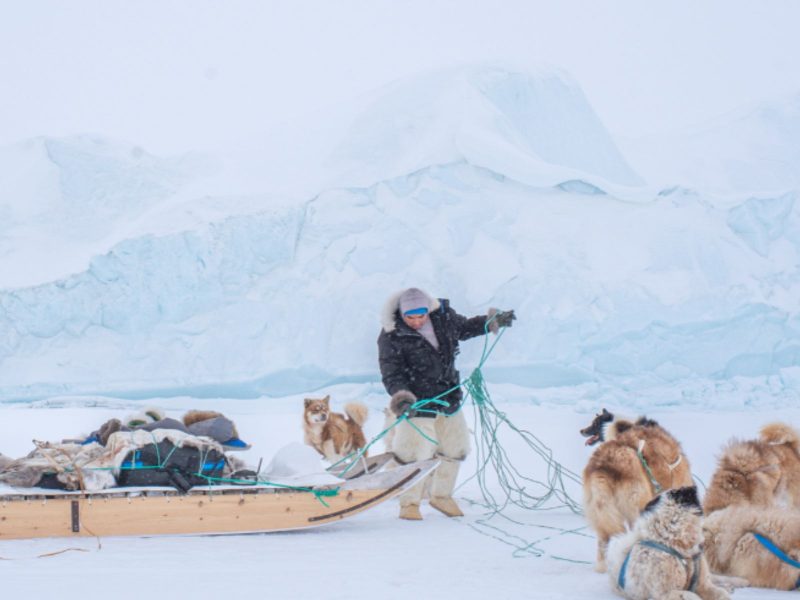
(544, 554)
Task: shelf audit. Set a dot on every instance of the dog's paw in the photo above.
(729, 583)
(600, 567)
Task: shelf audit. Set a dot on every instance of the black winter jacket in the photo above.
(409, 362)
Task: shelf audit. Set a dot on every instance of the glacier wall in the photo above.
(492, 188)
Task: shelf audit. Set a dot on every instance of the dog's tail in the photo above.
(746, 457)
(608, 514)
(780, 434)
(357, 412)
(747, 473)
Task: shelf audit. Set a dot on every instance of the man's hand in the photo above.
(401, 401)
(505, 317)
(500, 318)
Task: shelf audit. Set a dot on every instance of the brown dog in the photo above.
(763, 472)
(635, 461)
(334, 435)
(732, 544)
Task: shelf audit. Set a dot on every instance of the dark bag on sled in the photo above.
(168, 465)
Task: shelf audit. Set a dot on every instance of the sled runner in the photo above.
(203, 510)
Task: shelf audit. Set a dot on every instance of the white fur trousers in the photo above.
(409, 445)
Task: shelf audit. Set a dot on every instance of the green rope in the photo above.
(318, 494)
(653, 481)
(517, 489)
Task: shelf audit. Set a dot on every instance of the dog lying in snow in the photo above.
(738, 541)
(662, 556)
(634, 461)
(331, 434)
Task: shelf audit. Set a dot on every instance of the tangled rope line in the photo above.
(515, 485)
(516, 488)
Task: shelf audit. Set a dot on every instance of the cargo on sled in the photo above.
(167, 483)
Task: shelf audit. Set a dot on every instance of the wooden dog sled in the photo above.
(204, 510)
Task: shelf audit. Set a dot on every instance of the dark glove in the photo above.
(500, 318)
(505, 317)
(401, 401)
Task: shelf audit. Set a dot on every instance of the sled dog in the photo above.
(762, 472)
(332, 434)
(635, 461)
(662, 556)
(755, 542)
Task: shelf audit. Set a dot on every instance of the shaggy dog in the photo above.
(733, 548)
(662, 557)
(331, 434)
(763, 472)
(635, 461)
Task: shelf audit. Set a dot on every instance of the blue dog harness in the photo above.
(769, 545)
(671, 551)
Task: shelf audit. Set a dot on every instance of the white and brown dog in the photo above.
(634, 461)
(334, 435)
(662, 556)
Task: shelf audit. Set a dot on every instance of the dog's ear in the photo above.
(650, 506)
(327, 399)
(606, 416)
(645, 422)
(308, 402)
(685, 496)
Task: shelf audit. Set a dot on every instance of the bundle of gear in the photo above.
(146, 449)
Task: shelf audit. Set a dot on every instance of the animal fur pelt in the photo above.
(732, 548)
(331, 434)
(762, 472)
(5, 461)
(662, 556)
(196, 416)
(76, 466)
(206, 423)
(616, 482)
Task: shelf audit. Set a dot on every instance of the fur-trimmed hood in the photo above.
(392, 306)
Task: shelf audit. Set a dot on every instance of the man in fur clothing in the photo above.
(417, 350)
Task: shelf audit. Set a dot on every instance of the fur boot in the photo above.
(410, 512)
(442, 485)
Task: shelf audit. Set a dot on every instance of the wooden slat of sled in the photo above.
(196, 513)
(163, 515)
